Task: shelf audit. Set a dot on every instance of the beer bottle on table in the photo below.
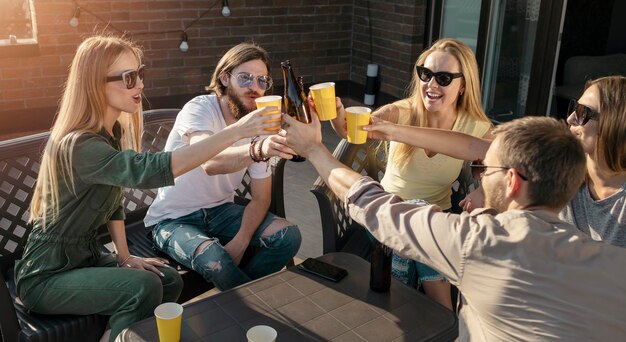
(295, 99)
(380, 270)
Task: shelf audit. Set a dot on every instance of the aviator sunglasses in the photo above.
(245, 80)
(129, 77)
(443, 78)
(478, 170)
(582, 112)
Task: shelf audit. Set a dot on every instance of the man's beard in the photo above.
(495, 199)
(237, 108)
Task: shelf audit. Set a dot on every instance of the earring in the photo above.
(460, 93)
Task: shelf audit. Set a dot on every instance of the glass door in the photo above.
(516, 63)
(511, 34)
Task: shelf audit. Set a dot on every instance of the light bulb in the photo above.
(225, 9)
(74, 21)
(184, 46)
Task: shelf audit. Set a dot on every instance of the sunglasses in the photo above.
(129, 77)
(245, 80)
(443, 78)
(582, 112)
(478, 170)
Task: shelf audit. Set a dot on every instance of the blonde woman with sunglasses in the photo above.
(597, 119)
(445, 94)
(91, 154)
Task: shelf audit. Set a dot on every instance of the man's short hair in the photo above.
(548, 154)
(237, 55)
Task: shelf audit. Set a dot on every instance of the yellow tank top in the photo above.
(425, 178)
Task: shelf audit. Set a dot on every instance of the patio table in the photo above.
(305, 307)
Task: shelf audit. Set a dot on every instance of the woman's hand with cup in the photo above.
(339, 123)
(380, 129)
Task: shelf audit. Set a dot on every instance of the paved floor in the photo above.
(301, 206)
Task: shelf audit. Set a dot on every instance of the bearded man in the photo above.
(196, 221)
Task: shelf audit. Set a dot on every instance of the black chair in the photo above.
(19, 165)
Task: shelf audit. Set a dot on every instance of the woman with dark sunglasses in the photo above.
(597, 119)
(92, 152)
(445, 94)
(599, 122)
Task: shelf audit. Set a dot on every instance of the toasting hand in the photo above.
(302, 138)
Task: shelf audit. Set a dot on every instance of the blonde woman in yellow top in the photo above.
(445, 94)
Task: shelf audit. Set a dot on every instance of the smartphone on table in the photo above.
(323, 269)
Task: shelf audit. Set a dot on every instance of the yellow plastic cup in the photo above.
(169, 317)
(261, 333)
(270, 100)
(357, 117)
(324, 97)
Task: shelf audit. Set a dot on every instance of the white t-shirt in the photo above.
(195, 189)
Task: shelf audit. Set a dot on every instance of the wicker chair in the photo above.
(19, 165)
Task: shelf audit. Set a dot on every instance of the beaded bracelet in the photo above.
(252, 148)
(260, 154)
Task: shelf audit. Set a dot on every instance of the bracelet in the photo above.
(260, 154)
(121, 264)
(252, 148)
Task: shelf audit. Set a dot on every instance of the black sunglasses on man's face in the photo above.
(479, 169)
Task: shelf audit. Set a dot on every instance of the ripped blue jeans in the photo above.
(180, 238)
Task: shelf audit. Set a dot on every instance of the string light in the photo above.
(184, 41)
(225, 8)
(74, 21)
(184, 46)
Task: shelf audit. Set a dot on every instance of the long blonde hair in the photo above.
(468, 103)
(81, 111)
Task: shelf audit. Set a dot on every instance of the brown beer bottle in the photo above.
(294, 99)
(380, 270)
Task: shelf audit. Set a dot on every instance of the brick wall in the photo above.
(325, 39)
(397, 28)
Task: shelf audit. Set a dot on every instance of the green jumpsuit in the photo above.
(63, 270)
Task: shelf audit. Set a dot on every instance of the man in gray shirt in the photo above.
(523, 274)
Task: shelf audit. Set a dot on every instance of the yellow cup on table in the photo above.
(169, 318)
(324, 97)
(270, 100)
(357, 117)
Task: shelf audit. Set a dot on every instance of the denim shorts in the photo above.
(411, 272)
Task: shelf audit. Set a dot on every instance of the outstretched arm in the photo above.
(236, 158)
(388, 112)
(432, 238)
(189, 157)
(454, 144)
(306, 140)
